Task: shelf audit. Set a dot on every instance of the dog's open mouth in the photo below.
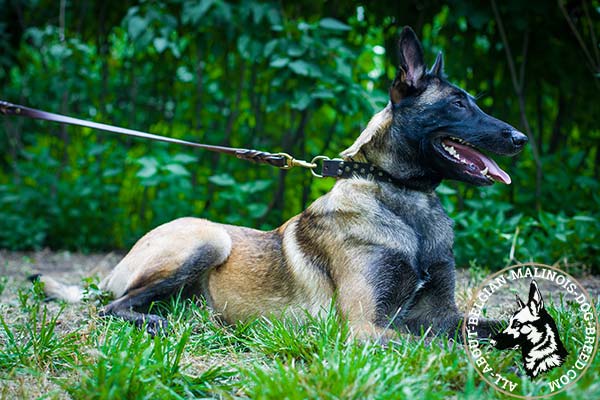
(476, 163)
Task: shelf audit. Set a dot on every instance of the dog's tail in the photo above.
(56, 290)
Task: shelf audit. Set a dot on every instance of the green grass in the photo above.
(51, 351)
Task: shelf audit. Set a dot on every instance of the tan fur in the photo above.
(161, 251)
(379, 124)
(433, 93)
(252, 282)
(266, 273)
(314, 292)
(56, 289)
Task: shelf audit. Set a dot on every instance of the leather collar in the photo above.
(344, 169)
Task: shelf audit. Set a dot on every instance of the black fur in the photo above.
(396, 282)
(309, 233)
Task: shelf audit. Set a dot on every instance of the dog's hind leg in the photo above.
(161, 284)
(174, 258)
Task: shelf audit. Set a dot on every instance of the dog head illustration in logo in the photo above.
(533, 330)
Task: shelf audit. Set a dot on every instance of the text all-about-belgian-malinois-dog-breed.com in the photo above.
(380, 249)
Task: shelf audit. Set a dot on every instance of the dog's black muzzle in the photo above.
(517, 139)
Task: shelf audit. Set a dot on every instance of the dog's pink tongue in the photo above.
(481, 161)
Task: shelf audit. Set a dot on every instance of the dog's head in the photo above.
(436, 130)
(526, 324)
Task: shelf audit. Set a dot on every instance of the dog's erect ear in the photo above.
(411, 68)
(535, 303)
(437, 68)
(411, 57)
(520, 302)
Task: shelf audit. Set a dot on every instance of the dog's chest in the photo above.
(403, 221)
(419, 245)
(423, 216)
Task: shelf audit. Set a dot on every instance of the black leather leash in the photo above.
(331, 168)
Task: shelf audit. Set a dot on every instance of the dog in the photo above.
(533, 330)
(379, 248)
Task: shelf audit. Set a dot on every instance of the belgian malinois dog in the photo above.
(380, 249)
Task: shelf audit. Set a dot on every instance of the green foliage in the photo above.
(263, 87)
(350, 373)
(287, 78)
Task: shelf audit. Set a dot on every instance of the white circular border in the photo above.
(472, 302)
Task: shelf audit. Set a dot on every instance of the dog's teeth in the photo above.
(452, 151)
(484, 171)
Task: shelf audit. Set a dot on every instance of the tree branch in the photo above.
(521, 99)
(524, 61)
(593, 34)
(595, 67)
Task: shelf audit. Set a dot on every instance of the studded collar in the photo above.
(344, 169)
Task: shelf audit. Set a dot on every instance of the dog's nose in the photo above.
(518, 139)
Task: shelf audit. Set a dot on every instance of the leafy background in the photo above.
(301, 77)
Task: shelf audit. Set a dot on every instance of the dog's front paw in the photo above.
(489, 328)
(154, 325)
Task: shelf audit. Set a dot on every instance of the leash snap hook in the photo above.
(7, 108)
(291, 162)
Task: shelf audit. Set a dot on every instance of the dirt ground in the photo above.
(72, 267)
(62, 264)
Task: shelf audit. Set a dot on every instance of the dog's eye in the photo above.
(459, 104)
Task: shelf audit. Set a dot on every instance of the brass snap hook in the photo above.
(291, 162)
